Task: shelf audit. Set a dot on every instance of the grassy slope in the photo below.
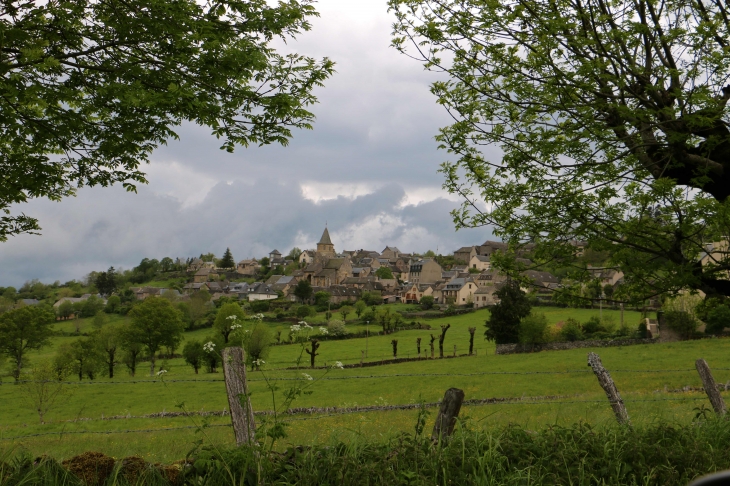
(375, 385)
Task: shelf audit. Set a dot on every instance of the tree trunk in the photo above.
(472, 330)
(239, 401)
(111, 364)
(708, 382)
(152, 364)
(606, 382)
(448, 412)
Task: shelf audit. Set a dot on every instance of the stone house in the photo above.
(390, 253)
(460, 291)
(261, 291)
(205, 274)
(484, 296)
(424, 271)
(412, 293)
(479, 262)
(464, 254)
(248, 267)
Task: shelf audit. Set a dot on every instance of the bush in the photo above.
(533, 329)
(336, 328)
(257, 343)
(717, 319)
(427, 302)
(683, 323)
(593, 325)
(642, 331)
(572, 331)
(260, 306)
(304, 311)
(194, 354)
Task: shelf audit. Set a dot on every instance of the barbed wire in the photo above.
(353, 377)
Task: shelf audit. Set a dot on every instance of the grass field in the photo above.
(651, 373)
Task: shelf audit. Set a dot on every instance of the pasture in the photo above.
(544, 388)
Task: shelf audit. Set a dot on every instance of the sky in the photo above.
(368, 171)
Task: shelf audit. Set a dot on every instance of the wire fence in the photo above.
(318, 413)
(371, 376)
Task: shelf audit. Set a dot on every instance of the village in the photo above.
(393, 275)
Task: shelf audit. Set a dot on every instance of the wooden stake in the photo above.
(448, 412)
(708, 382)
(604, 379)
(234, 372)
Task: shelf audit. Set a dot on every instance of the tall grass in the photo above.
(661, 454)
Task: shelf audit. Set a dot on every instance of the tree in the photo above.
(132, 352)
(504, 320)
(612, 123)
(92, 88)
(360, 307)
(109, 339)
(83, 357)
(294, 254)
(303, 290)
(384, 273)
(112, 304)
(227, 261)
(229, 318)
(681, 322)
(257, 343)
(91, 306)
(167, 264)
(427, 302)
(44, 388)
(106, 282)
(718, 319)
(533, 329)
(99, 320)
(155, 323)
(345, 311)
(194, 354)
(65, 309)
(304, 311)
(322, 298)
(383, 316)
(24, 329)
(442, 337)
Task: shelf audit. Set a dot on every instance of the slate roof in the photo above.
(325, 240)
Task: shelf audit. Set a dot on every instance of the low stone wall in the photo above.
(593, 343)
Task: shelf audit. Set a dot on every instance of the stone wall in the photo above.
(593, 343)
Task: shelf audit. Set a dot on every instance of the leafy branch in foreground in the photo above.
(90, 89)
(605, 122)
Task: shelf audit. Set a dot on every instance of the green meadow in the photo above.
(649, 378)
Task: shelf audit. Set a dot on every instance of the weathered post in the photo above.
(448, 412)
(313, 352)
(394, 342)
(362, 358)
(239, 401)
(604, 379)
(708, 383)
(454, 350)
(418, 346)
(433, 338)
(444, 328)
(472, 330)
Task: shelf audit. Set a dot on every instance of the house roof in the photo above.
(275, 252)
(325, 240)
(334, 263)
(481, 258)
(465, 249)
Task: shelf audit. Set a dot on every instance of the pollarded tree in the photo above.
(24, 329)
(605, 122)
(503, 325)
(91, 88)
(154, 323)
(227, 261)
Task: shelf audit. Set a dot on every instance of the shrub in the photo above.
(305, 311)
(642, 331)
(427, 302)
(683, 323)
(718, 319)
(194, 354)
(337, 328)
(572, 331)
(593, 325)
(533, 329)
(260, 306)
(257, 343)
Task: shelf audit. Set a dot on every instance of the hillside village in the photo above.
(467, 280)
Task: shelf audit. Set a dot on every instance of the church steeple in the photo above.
(325, 246)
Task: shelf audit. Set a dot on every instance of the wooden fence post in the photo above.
(448, 412)
(708, 383)
(239, 401)
(604, 379)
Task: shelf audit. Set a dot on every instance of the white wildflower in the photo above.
(232, 317)
(235, 326)
(209, 347)
(161, 372)
(257, 317)
(307, 377)
(302, 323)
(259, 362)
(295, 328)
(338, 364)
(323, 331)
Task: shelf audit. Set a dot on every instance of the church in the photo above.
(326, 267)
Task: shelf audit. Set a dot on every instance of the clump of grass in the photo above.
(663, 454)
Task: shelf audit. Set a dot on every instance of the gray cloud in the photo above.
(102, 227)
